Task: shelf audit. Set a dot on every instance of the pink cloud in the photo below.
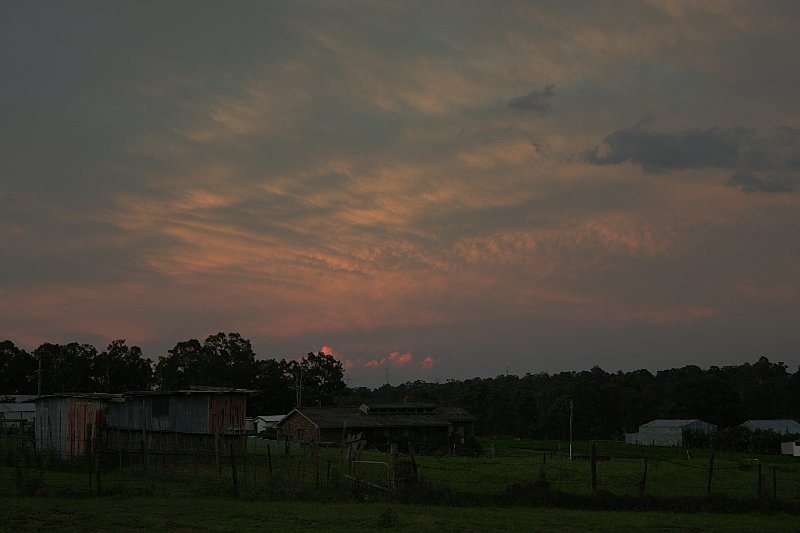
(427, 362)
(395, 359)
(398, 359)
(329, 351)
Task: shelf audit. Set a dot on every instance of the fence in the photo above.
(679, 474)
(255, 468)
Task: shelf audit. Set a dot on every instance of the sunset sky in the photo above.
(440, 189)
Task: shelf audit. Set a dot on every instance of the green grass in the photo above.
(302, 475)
(199, 515)
(670, 471)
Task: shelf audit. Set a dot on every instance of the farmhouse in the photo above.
(667, 432)
(782, 426)
(427, 426)
(197, 419)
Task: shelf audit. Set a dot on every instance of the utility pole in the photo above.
(298, 388)
(39, 380)
(571, 404)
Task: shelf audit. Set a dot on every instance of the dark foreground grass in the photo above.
(197, 515)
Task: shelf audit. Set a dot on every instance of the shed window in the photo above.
(161, 407)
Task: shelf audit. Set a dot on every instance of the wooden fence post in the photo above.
(216, 454)
(774, 484)
(593, 459)
(543, 470)
(269, 460)
(244, 464)
(760, 486)
(88, 454)
(710, 474)
(234, 474)
(316, 465)
(643, 481)
(97, 452)
(144, 455)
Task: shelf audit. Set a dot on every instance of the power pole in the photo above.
(571, 404)
(39, 380)
(298, 386)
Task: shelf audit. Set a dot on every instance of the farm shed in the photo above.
(188, 420)
(425, 425)
(667, 432)
(16, 416)
(783, 426)
(67, 423)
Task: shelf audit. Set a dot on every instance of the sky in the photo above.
(426, 190)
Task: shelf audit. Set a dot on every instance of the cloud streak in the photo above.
(433, 184)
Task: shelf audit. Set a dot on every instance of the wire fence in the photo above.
(249, 467)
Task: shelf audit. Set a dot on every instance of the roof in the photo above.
(456, 414)
(82, 395)
(270, 418)
(19, 398)
(17, 408)
(144, 393)
(194, 390)
(339, 417)
(672, 423)
(784, 425)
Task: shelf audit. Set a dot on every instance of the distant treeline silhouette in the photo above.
(605, 405)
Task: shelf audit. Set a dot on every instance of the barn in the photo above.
(667, 432)
(427, 426)
(196, 419)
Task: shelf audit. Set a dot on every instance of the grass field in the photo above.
(306, 491)
(184, 515)
(670, 472)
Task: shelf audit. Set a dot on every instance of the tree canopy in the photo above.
(605, 405)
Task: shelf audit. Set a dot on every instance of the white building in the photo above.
(667, 432)
(267, 422)
(782, 426)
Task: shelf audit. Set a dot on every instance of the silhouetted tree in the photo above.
(121, 368)
(17, 370)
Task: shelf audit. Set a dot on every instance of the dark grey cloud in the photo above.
(658, 152)
(536, 100)
(749, 182)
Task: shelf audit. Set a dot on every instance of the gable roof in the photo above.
(670, 423)
(355, 417)
(270, 418)
(784, 425)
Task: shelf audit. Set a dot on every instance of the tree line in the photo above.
(605, 405)
(223, 359)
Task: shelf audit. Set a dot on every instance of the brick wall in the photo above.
(298, 429)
